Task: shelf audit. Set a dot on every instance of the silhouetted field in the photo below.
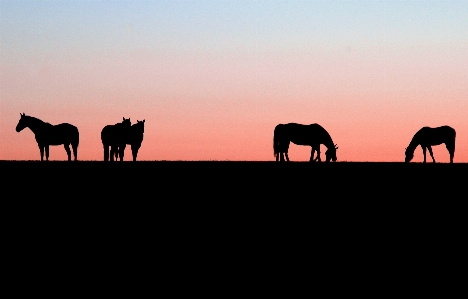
(238, 187)
(236, 217)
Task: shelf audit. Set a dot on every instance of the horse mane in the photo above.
(330, 144)
(34, 118)
(415, 141)
(37, 121)
(139, 126)
(136, 132)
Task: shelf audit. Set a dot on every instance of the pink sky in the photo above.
(227, 109)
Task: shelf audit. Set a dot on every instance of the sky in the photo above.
(212, 79)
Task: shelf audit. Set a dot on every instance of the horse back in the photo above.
(301, 134)
(63, 133)
(318, 130)
(448, 133)
(312, 134)
(448, 130)
(437, 135)
(135, 138)
(114, 134)
(106, 133)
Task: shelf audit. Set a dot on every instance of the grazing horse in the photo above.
(113, 137)
(134, 138)
(312, 135)
(47, 134)
(427, 136)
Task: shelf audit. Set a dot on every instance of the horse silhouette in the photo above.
(427, 136)
(134, 139)
(113, 137)
(47, 134)
(312, 135)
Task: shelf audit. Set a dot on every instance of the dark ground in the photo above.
(259, 218)
(170, 181)
(237, 190)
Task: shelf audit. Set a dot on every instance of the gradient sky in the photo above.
(213, 78)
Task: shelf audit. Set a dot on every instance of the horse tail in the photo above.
(454, 136)
(74, 143)
(77, 137)
(274, 146)
(104, 135)
(276, 138)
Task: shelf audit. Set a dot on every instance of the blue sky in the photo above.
(116, 26)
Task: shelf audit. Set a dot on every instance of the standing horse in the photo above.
(312, 135)
(113, 137)
(134, 138)
(47, 134)
(427, 136)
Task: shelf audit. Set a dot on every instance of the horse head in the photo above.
(126, 122)
(22, 123)
(408, 155)
(141, 125)
(330, 153)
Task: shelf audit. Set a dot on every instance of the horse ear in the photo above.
(143, 120)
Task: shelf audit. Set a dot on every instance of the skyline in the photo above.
(212, 79)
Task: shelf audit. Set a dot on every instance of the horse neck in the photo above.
(328, 142)
(137, 129)
(122, 127)
(413, 144)
(35, 125)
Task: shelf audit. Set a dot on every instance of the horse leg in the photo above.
(47, 152)
(106, 153)
(451, 149)
(112, 153)
(115, 151)
(41, 149)
(430, 152)
(135, 149)
(424, 153)
(318, 154)
(121, 151)
(312, 153)
(75, 151)
(286, 155)
(67, 149)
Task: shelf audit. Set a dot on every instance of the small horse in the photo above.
(113, 137)
(427, 136)
(134, 138)
(47, 134)
(312, 135)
